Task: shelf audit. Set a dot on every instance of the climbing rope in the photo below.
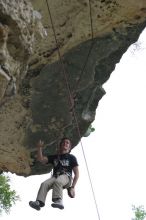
(90, 49)
(71, 97)
(60, 57)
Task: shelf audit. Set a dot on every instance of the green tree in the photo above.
(139, 212)
(8, 197)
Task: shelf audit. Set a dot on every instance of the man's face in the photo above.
(66, 145)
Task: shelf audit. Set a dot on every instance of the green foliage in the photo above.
(89, 130)
(139, 212)
(8, 197)
(92, 129)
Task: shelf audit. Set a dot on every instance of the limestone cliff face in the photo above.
(50, 85)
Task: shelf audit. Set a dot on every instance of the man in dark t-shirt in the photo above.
(63, 164)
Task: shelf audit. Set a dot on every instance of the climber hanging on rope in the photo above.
(63, 164)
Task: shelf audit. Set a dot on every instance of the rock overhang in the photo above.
(41, 107)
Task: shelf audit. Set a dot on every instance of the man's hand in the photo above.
(40, 144)
(71, 192)
(40, 157)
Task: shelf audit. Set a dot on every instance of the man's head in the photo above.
(65, 145)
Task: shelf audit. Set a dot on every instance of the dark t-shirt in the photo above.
(63, 163)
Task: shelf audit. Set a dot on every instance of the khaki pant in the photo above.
(56, 184)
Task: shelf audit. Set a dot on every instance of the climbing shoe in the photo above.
(58, 204)
(35, 205)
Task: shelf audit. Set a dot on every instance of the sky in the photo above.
(115, 153)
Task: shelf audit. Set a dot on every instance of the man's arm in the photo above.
(76, 176)
(71, 190)
(40, 157)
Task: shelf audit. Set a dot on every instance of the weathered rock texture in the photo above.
(50, 87)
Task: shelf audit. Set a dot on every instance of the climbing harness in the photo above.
(70, 92)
